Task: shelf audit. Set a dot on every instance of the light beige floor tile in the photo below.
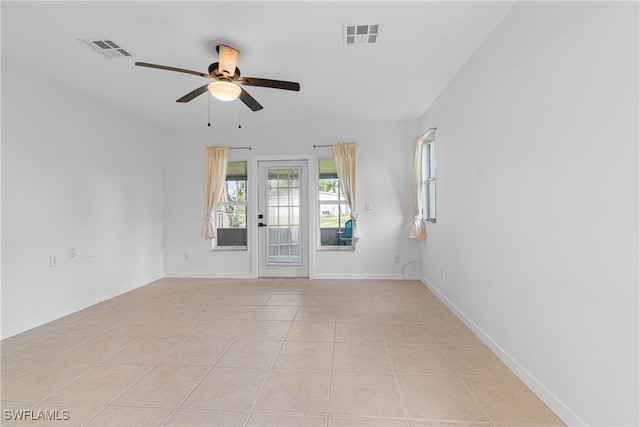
(316, 314)
(133, 331)
(197, 351)
(298, 392)
(146, 351)
(164, 386)
(42, 380)
(48, 347)
(439, 397)
(319, 300)
(13, 411)
(368, 336)
(293, 288)
(250, 354)
(265, 330)
(361, 357)
(439, 316)
(178, 330)
(305, 356)
(202, 418)
(426, 423)
(227, 389)
(311, 331)
(237, 312)
(12, 368)
(450, 335)
(391, 314)
(508, 400)
(365, 394)
(476, 360)
(220, 329)
(261, 420)
(100, 385)
(16, 342)
(424, 359)
(407, 333)
(276, 312)
(360, 332)
(96, 349)
(287, 300)
(366, 422)
(57, 415)
(356, 313)
(134, 417)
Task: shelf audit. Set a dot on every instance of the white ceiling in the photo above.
(422, 46)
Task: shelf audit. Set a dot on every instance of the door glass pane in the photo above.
(284, 215)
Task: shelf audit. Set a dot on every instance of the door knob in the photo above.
(262, 224)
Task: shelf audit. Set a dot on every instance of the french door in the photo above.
(283, 219)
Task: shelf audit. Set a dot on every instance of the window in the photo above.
(230, 216)
(428, 180)
(334, 209)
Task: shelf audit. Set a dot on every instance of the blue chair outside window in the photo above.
(345, 236)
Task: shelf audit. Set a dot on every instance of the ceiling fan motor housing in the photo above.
(214, 70)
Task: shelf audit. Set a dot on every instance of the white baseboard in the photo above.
(550, 399)
(321, 276)
(57, 314)
(358, 276)
(208, 275)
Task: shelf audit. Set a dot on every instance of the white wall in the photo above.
(385, 150)
(75, 173)
(536, 244)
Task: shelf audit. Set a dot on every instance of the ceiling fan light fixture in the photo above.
(224, 91)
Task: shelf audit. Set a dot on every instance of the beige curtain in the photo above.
(216, 174)
(346, 160)
(418, 232)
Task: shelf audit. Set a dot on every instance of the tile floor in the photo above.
(268, 352)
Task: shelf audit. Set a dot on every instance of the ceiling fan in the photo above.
(226, 74)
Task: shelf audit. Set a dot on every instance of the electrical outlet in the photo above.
(72, 254)
(53, 260)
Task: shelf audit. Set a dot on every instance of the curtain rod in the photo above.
(425, 132)
(239, 148)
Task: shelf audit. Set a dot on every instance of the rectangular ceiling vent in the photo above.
(108, 48)
(361, 34)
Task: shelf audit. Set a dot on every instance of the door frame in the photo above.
(310, 237)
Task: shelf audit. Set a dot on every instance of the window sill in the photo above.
(229, 249)
(336, 248)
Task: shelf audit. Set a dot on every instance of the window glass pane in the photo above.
(295, 235)
(273, 235)
(432, 199)
(432, 159)
(230, 217)
(273, 216)
(334, 210)
(284, 235)
(428, 179)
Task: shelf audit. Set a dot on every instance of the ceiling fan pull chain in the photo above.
(209, 110)
(239, 116)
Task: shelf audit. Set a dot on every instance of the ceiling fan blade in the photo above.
(249, 101)
(276, 84)
(180, 70)
(194, 93)
(228, 60)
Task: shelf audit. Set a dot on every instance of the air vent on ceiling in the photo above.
(108, 48)
(361, 34)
